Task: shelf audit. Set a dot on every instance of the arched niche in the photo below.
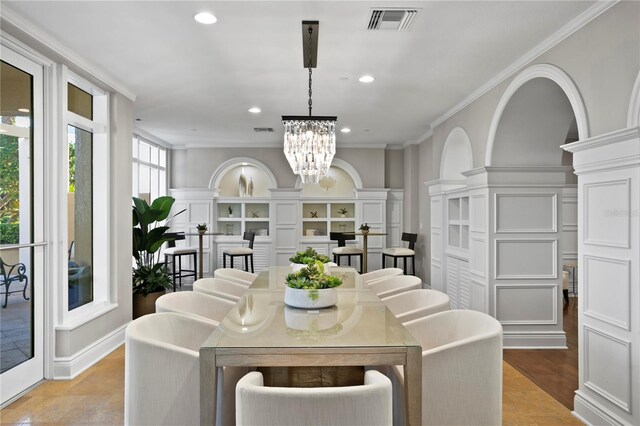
(457, 155)
(633, 117)
(225, 178)
(346, 179)
(534, 117)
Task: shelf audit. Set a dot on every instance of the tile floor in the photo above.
(15, 337)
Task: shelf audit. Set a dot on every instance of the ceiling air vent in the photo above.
(391, 19)
(263, 129)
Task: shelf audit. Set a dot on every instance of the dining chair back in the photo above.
(414, 304)
(381, 274)
(196, 304)
(162, 372)
(220, 288)
(367, 404)
(235, 275)
(395, 285)
(461, 369)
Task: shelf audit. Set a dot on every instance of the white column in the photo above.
(608, 169)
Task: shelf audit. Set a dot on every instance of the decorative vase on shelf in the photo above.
(202, 231)
(242, 185)
(250, 187)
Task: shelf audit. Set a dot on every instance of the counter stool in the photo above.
(402, 253)
(173, 255)
(342, 249)
(246, 252)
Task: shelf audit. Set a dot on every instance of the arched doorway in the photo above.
(534, 218)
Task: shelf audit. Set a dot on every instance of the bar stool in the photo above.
(343, 250)
(174, 255)
(402, 253)
(246, 252)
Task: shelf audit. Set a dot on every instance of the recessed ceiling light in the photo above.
(205, 18)
(345, 130)
(366, 79)
(23, 109)
(254, 110)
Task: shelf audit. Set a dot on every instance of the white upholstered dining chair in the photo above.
(395, 285)
(236, 275)
(220, 288)
(414, 304)
(193, 303)
(368, 404)
(461, 369)
(162, 372)
(381, 274)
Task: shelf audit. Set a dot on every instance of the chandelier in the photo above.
(309, 142)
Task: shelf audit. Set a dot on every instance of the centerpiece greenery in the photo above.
(150, 274)
(312, 278)
(308, 257)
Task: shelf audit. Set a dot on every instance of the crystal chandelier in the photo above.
(309, 142)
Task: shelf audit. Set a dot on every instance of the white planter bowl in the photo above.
(299, 298)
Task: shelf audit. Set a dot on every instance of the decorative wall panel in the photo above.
(607, 367)
(526, 259)
(607, 213)
(607, 286)
(525, 213)
(526, 303)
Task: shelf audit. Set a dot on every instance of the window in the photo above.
(87, 195)
(149, 170)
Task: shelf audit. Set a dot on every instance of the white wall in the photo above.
(193, 167)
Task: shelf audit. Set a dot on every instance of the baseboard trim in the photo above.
(551, 340)
(590, 412)
(67, 368)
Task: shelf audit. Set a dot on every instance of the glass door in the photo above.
(21, 224)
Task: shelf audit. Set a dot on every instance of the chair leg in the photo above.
(361, 260)
(395, 263)
(24, 290)
(565, 294)
(6, 294)
(246, 263)
(404, 260)
(383, 261)
(251, 256)
(413, 265)
(195, 266)
(180, 271)
(349, 260)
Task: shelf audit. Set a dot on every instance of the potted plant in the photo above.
(343, 212)
(150, 275)
(364, 228)
(230, 210)
(311, 287)
(202, 228)
(307, 257)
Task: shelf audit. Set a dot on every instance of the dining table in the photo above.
(200, 239)
(365, 244)
(262, 331)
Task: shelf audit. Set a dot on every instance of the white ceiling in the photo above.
(194, 83)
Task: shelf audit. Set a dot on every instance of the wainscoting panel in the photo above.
(477, 256)
(478, 296)
(526, 303)
(286, 213)
(477, 213)
(607, 288)
(286, 239)
(199, 213)
(436, 244)
(373, 213)
(523, 213)
(606, 213)
(436, 213)
(607, 367)
(526, 258)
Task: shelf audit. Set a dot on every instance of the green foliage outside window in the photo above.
(9, 190)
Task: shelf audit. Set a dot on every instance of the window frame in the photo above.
(104, 297)
(137, 162)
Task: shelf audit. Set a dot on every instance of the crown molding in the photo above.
(571, 27)
(72, 58)
(143, 134)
